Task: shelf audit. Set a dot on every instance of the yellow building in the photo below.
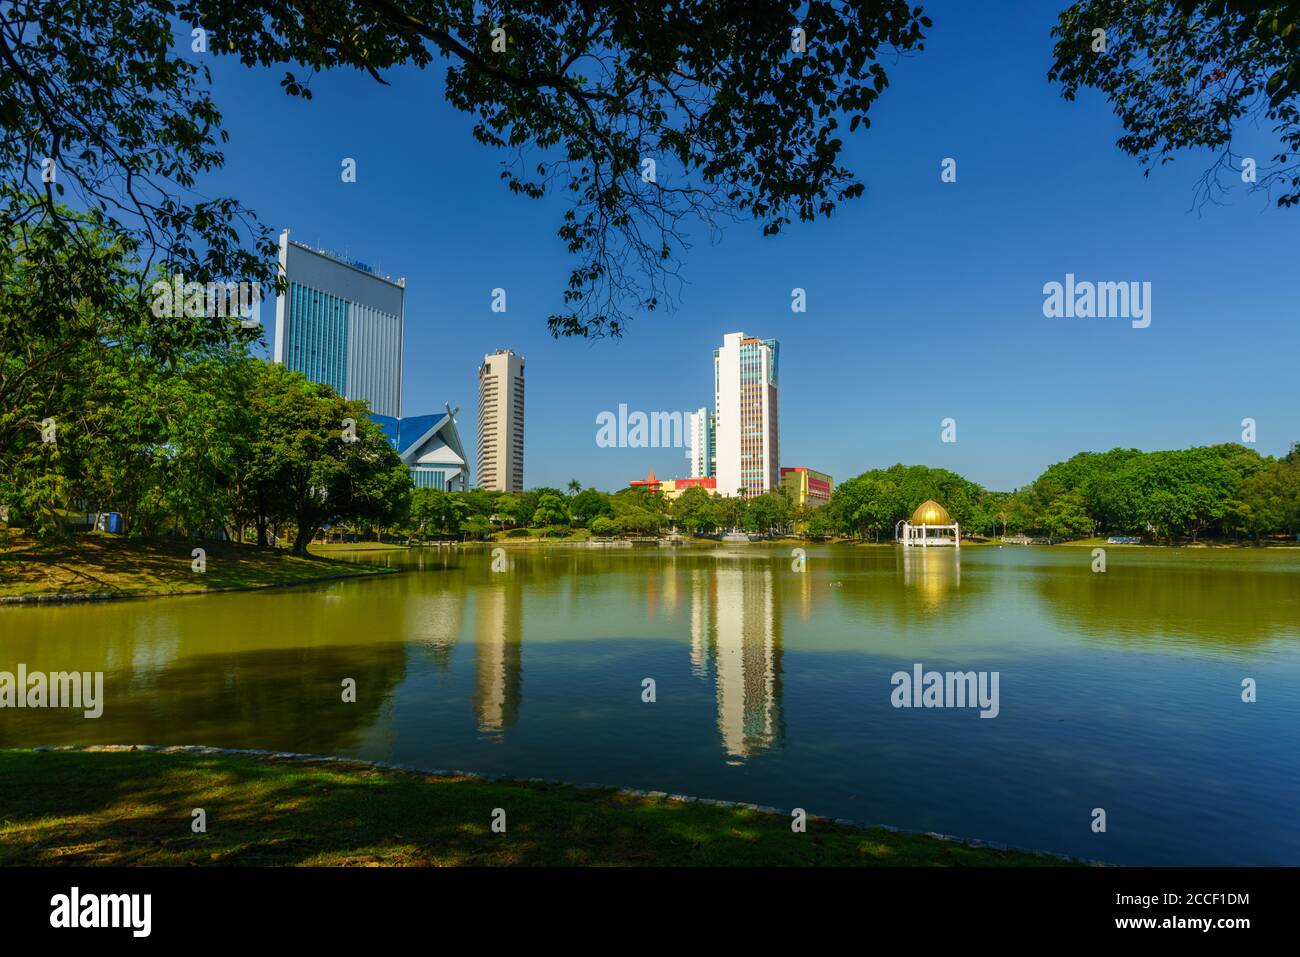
(807, 487)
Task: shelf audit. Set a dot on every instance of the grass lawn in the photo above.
(98, 563)
(134, 807)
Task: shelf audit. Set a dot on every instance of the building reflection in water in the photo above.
(498, 659)
(736, 622)
(703, 600)
(934, 573)
(433, 622)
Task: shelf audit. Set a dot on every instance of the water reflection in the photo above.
(498, 655)
(933, 573)
(1225, 599)
(434, 619)
(281, 698)
(735, 621)
(704, 599)
(437, 654)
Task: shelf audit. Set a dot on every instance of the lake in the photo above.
(1119, 690)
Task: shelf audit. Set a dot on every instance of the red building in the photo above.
(675, 487)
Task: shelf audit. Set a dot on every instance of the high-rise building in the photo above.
(501, 422)
(702, 440)
(341, 323)
(746, 422)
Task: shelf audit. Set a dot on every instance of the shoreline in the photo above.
(843, 840)
(83, 597)
(539, 542)
(122, 569)
(98, 567)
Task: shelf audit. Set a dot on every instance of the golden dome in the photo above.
(931, 512)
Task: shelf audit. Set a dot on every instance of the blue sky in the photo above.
(924, 298)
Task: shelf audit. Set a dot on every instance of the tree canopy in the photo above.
(656, 122)
(1226, 490)
(647, 116)
(1186, 74)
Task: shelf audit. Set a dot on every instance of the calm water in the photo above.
(1119, 690)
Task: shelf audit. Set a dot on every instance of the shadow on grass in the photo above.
(118, 808)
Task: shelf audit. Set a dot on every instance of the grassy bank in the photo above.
(102, 564)
(538, 536)
(330, 548)
(124, 807)
(1101, 541)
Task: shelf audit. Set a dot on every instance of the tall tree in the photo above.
(552, 509)
(588, 505)
(99, 397)
(696, 511)
(323, 469)
(59, 308)
(437, 510)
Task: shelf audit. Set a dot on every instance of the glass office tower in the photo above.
(341, 323)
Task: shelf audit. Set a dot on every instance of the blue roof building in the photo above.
(430, 446)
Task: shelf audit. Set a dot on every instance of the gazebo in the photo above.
(929, 526)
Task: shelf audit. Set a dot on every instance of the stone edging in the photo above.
(508, 779)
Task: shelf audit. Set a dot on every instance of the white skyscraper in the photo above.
(702, 443)
(747, 432)
(501, 422)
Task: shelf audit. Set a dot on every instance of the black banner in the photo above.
(230, 905)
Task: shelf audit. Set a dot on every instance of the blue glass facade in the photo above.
(316, 334)
(341, 325)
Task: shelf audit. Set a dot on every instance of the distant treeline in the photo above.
(629, 511)
(1223, 491)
